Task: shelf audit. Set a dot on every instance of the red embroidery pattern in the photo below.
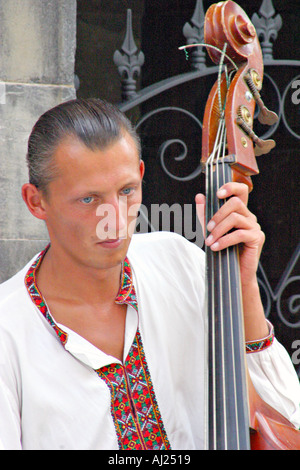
(37, 298)
(134, 408)
(261, 344)
(257, 346)
(126, 292)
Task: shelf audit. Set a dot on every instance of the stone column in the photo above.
(37, 54)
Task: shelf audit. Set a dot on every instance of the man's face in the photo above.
(91, 206)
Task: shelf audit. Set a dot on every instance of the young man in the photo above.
(102, 334)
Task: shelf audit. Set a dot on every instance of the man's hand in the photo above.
(234, 214)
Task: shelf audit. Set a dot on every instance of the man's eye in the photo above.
(87, 200)
(126, 191)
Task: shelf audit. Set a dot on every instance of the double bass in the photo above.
(238, 418)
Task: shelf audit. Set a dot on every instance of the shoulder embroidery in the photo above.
(37, 298)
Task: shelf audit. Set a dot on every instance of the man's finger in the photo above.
(200, 209)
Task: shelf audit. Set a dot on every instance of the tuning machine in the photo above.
(254, 83)
(244, 120)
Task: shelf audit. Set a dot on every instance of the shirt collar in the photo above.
(126, 294)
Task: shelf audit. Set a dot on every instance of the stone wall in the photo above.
(37, 54)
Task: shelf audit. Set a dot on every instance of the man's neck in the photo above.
(77, 282)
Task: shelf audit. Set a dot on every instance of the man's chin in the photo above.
(110, 252)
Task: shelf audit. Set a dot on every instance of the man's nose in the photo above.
(121, 214)
(113, 222)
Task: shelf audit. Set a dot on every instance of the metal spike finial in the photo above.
(194, 33)
(129, 61)
(267, 9)
(267, 26)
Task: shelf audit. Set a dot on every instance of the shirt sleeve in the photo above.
(275, 380)
(10, 435)
(10, 419)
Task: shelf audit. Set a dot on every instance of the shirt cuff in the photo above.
(261, 344)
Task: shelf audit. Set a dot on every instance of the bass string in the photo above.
(220, 292)
(211, 273)
(224, 300)
(229, 313)
(211, 182)
(213, 162)
(216, 160)
(216, 176)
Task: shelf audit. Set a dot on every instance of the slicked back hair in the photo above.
(94, 122)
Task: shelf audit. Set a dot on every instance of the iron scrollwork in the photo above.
(290, 315)
(165, 145)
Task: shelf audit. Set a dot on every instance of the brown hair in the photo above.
(96, 123)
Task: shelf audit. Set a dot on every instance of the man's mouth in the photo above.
(111, 242)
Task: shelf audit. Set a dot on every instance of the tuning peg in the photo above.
(265, 116)
(269, 119)
(254, 83)
(261, 146)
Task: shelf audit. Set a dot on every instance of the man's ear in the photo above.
(34, 200)
(142, 168)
